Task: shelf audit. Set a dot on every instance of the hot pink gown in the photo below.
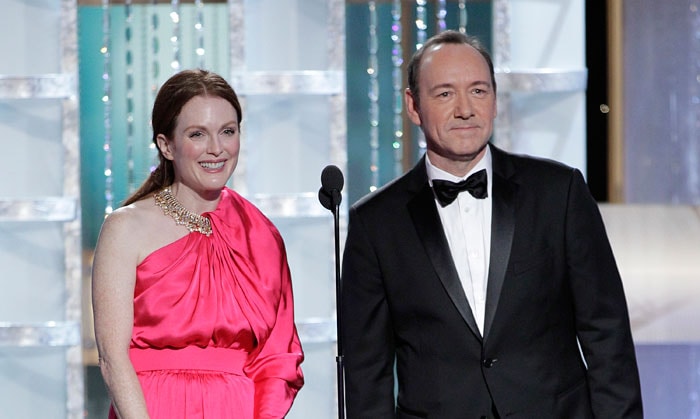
(214, 333)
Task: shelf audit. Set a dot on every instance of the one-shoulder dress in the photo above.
(214, 334)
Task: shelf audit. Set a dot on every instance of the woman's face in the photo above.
(205, 144)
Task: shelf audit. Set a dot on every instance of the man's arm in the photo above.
(602, 319)
(367, 329)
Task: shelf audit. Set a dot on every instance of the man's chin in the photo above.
(470, 154)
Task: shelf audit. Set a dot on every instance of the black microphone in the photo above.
(331, 184)
(330, 197)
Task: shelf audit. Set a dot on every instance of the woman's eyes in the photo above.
(196, 135)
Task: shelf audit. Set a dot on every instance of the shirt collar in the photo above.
(437, 173)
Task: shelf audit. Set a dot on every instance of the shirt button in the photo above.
(489, 362)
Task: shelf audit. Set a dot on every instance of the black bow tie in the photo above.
(447, 191)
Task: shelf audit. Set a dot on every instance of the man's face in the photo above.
(456, 106)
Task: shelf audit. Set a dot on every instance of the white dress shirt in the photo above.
(467, 225)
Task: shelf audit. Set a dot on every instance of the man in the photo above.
(506, 304)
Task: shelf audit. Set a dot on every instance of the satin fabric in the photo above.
(214, 334)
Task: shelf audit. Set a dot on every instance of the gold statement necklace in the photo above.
(182, 216)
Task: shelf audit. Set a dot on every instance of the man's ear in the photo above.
(412, 107)
(164, 146)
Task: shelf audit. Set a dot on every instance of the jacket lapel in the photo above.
(426, 221)
(502, 228)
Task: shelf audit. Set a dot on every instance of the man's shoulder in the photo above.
(526, 165)
(395, 193)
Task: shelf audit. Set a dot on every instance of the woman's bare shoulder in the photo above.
(131, 227)
(140, 227)
(133, 218)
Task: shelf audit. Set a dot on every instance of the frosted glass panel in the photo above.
(31, 144)
(288, 35)
(36, 378)
(287, 143)
(317, 399)
(32, 259)
(33, 28)
(40, 362)
(662, 102)
(313, 275)
(544, 124)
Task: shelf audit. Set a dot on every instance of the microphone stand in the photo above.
(335, 202)
(330, 197)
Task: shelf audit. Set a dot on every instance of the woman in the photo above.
(192, 294)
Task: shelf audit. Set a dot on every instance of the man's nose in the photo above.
(463, 107)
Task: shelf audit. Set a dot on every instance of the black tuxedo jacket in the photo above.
(552, 284)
